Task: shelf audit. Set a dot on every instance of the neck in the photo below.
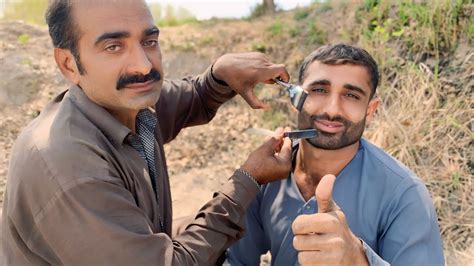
(313, 163)
(126, 117)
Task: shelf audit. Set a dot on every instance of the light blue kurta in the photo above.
(386, 205)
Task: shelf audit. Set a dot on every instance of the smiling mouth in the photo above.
(329, 126)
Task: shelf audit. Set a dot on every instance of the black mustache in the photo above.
(127, 80)
(337, 118)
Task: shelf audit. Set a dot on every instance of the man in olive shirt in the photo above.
(88, 183)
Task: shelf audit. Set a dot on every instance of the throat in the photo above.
(312, 164)
(128, 118)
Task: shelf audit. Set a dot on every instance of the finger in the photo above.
(285, 150)
(273, 144)
(252, 100)
(316, 258)
(279, 132)
(324, 194)
(276, 71)
(315, 223)
(279, 135)
(322, 242)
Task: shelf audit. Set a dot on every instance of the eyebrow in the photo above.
(112, 35)
(151, 31)
(124, 34)
(324, 82)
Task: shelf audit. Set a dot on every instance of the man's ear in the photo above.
(373, 105)
(67, 64)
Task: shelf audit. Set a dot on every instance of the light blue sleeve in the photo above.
(410, 235)
(372, 257)
(252, 245)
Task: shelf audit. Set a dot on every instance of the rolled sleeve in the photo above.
(372, 257)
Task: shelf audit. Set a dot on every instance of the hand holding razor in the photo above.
(294, 134)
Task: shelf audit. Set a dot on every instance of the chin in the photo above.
(144, 101)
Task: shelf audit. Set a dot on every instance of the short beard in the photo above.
(328, 141)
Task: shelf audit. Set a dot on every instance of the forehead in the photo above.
(94, 17)
(338, 74)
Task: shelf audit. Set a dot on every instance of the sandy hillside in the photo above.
(425, 120)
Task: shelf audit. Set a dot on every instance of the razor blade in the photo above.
(297, 94)
(295, 134)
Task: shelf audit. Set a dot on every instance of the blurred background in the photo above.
(425, 54)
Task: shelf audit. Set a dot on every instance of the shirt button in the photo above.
(308, 207)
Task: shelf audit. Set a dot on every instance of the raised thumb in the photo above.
(324, 194)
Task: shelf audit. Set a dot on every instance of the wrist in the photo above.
(216, 77)
(360, 257)
(249, 176)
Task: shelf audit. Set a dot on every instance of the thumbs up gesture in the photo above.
(324, 237)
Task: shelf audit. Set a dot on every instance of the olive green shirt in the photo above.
(79, 194)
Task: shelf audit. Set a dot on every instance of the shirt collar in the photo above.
(296, 145)
(108, 124)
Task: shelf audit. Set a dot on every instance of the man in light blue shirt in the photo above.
(374, 212)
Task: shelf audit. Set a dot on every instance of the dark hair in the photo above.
(342, 54)
(63, 30)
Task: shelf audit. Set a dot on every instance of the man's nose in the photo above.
(332, 106)
(139, 62)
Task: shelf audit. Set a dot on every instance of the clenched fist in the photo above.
(325, 238)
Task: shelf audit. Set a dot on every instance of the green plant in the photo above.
(295, 31)
(208, 40)
(324, 7)
(23, 39)
(257, 11)
(316, 35)
(301, 14)
(170, 16)
(276, 28)
(259, 47)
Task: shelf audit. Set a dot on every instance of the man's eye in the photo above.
(113, 48)
(151, 43)
(350, 95)
(318, 89)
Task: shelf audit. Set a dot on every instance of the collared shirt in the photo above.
(79, 193)
(385, 204)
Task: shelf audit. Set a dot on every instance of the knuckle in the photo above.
(295, 225)
(333, 222)
(341, 216)
(296, 243)
(338, 243)
(302, 258)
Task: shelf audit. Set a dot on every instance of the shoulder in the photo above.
(381, 161)
(55, 150)
(402, 185)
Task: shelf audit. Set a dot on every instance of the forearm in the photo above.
(190, 101)
(110, 229)
(220, 222)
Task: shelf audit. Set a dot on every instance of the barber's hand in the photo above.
(243, 71)
(325, 237)
(272, 160)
